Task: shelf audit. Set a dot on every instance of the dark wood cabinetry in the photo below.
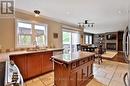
(47, 64)
(120, 41)
(110, 40)
(77, 73)
(33, 64)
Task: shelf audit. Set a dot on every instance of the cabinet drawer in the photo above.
(82, 61)
(73, 65)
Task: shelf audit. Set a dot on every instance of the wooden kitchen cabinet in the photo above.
(47, 64)
(33, 64)
(79, 77)
(75, 73)
(73, 79)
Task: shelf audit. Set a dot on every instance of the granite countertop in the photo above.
(69, 58)
(5, 56)
(34, 51)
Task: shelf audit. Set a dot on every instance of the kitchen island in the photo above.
(75, 69)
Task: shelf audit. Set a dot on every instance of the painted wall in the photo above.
(7, 30)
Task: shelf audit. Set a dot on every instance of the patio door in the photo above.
(70, 41)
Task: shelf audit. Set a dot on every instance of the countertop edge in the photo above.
(54, 57)
(38, 51)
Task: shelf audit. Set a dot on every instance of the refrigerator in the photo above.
(126, 50)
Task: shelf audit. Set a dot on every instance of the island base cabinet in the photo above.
(71, 75)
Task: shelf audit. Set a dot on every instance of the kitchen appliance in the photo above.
(12, 75)
(126, 50)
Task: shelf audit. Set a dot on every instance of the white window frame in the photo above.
(33, 23)
(88, 39)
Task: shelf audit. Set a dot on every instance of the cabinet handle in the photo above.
(59, 63)
(124, 79)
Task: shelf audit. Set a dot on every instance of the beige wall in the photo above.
(7, 30)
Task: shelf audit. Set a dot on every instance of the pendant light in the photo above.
(37, 12)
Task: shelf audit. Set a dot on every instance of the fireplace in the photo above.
(111, 46)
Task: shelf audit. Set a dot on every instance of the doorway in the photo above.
(70, 41)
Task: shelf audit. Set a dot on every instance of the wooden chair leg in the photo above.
(98, 59)
(101, 59)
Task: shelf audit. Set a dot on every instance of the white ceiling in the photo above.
(108, 15)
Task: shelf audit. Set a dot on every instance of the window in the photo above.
(40, 35)
(24, 34)
(88, 39)
(28, 33)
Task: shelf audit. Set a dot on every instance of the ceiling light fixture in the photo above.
(85, 24)
(37, 12)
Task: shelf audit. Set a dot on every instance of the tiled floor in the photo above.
(109, 73)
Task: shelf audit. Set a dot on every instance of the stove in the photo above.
(13, 76)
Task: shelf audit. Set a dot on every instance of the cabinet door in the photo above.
(34, 64)
(79, 76)
(85, 72)
(47, 64)
(90, 70)
(73, 79)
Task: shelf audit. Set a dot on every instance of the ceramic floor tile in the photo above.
(47, 80)
(51, 84)
(108, 76)
(35, 82)
(28, 82)
(116, 83)
(100, 73)
(94, 82)
(102, 80)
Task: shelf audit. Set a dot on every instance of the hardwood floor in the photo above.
(119, 57)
